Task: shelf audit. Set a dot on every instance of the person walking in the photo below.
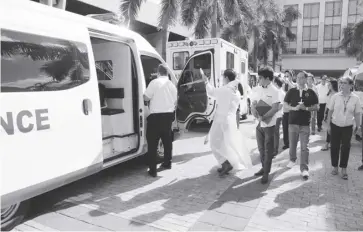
(344, 109)
(268, 94)
(333, 89)
(300, 101)
(289, 83)
(311, 85)
(162, 95)
(226, 142)
(278, 84)
(323, 94)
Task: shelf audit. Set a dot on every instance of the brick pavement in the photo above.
(324, 202)
(191, 196)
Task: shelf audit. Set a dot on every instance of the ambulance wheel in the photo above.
(13, 215)
(160, 150)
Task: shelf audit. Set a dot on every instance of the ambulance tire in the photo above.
(160, 150)
(18, 213)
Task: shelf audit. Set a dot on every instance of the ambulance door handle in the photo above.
(87, 106)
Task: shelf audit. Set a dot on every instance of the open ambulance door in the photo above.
(193, 101)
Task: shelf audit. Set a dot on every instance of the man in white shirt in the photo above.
(278, 84)
(323, 90)
(162, 95)
(265, 130)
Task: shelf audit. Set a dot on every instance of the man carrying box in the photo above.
(265, 104)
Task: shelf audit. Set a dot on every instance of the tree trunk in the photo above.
(214, 30)
(164, 40)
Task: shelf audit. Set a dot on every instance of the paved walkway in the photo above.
(191, 196)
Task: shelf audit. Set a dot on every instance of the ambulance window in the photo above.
(32, 62)
(191, 72)
(104, 70)
(230, 60)
(179, 60)
(243, 67)
(150, 67)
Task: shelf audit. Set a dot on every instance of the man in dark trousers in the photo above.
(162, 95)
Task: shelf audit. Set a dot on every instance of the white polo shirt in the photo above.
(270, 95)
(322, 93)
(282, 97)
(163, 95)
(338, 103)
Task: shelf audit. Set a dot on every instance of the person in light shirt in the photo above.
(311, 85)
(323, 90)
(278, 84)
(268, 94)
(162, 95)
(344, 109)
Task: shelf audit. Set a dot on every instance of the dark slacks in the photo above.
(327, 137)
(159, 127)
(265, 142)
(321, 114)
(285, 127)
(340, 145)
(277, 136)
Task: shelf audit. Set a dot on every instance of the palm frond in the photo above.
(189, 9)
(203, 22)
(232, 10)
(130, 8)
(290, 14)
(352, 40)
(168, 13)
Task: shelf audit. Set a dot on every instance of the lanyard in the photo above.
(346, 103)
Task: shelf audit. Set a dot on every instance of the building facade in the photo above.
(318, 33)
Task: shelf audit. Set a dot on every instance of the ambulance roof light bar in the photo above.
(193, 43)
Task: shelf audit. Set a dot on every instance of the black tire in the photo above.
(17, 217)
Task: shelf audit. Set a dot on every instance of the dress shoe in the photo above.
(264, 179)
(285, 147)
(219, 169)
(259, 173)
(360, 168)
(226, 168)
(165, 166)
(152, 173)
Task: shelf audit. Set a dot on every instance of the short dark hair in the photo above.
(290, 72)
(334, 84)
(230, 74)
(162, 70)
(305, 74)
(278, 81)
(266, 72)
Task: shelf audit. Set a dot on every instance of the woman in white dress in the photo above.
(226, 141)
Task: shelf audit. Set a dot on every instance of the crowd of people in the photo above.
(295, 101)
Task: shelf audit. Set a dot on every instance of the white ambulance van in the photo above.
(213, 56)
(71, 100)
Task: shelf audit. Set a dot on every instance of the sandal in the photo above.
(334, 172)
(325, 148)
(345, 176)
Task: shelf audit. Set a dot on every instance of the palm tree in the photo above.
(352, 40)
(207, 16)
(167, 17)
(130, 9)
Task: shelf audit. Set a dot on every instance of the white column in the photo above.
(321, 27)
(299, 33)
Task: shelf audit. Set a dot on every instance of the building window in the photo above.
(292, 44)
(311, 28)
(332, 28)
(354, 12)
